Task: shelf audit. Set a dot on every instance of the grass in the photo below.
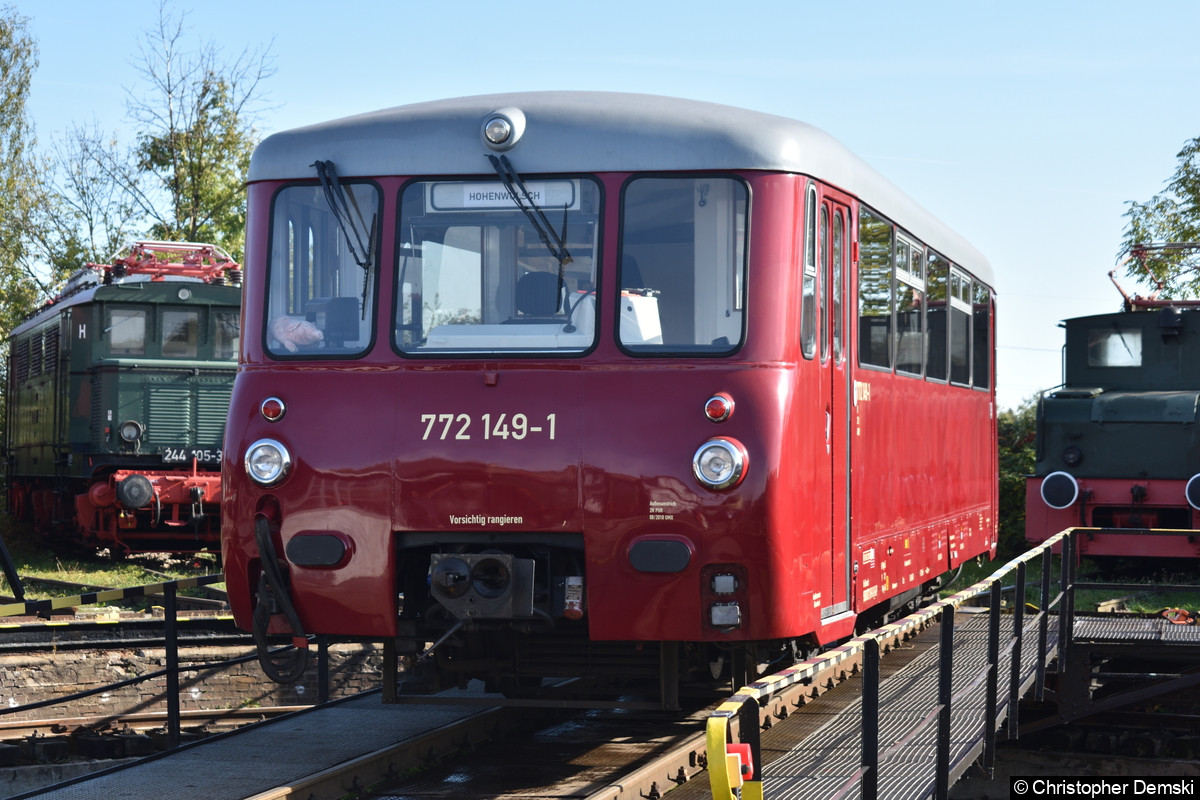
(34, 558)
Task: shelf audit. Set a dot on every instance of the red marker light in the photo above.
(272, 409)
(719, 407)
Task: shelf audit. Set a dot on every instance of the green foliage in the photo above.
(1016, 429)
(1171, 216)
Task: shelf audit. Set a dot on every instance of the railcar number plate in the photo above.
(173, 455)
(441, 427)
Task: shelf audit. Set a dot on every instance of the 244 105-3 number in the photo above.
(486, 426)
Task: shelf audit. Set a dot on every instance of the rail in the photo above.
(733, 732)
(168, 592)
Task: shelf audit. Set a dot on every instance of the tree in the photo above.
(1171, 216)
(183, 178)
(1015, 429)
(21, 282)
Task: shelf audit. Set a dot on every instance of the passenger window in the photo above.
(981, 320)
(808, 299)
(180, 333)
(874, 290)
(910, 307)
(126, 331)
(937, 313)
(826, 257)
(836, 283)
(960, 328)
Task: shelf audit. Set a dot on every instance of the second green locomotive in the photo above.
(118, 392)
(1118, 444)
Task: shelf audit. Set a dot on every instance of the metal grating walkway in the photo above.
(828, 759)
(270, 754)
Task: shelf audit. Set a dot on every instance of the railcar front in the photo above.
(537, 387)
(1117, 444)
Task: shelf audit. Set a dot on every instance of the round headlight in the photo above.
(131, 430)
(1192, 491)
(719, 463)
(1059, 490)
(267, 462)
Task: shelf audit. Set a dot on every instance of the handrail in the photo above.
(733, 743)
(169, 592)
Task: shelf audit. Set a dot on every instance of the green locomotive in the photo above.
(118, 391)
(1118, 443)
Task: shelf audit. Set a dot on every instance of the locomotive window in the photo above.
(910, 307)
(687, 237)
(476, 273)
(180, 333)
(226, 334)
(937, 309)
(981, 336)
(322, 271)
(808, 299)
(1113, 347)
(960, 328)
(126, 331)
(874, 290)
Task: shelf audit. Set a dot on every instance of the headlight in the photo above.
(1059, 490)
(131, 431)
(1192, 491)
(267, 462)
(720, 463)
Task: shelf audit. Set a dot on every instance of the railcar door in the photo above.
(834, 245)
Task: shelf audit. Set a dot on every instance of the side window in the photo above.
(808, 299)
(981, 319)
(937, 317)
(910, 307)
(180, 333)
(226, 334)
(874, 290)
(321, 278)
(960, 328)
(126, 331)
(683, 254)
(836, 282)
(826, 259)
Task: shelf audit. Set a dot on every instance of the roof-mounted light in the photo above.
(503, 128)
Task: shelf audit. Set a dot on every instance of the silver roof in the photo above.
(596, 132)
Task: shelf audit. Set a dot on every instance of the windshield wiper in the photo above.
(341, 203)
(552, 239)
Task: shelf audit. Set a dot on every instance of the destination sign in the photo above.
(495, 195)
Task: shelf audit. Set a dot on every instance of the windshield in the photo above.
(318, 301)
(479, 274)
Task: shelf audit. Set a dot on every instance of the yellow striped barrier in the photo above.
(35, 607)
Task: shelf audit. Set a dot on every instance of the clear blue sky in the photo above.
(1027, 126)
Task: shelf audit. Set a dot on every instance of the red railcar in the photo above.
(590, 384)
